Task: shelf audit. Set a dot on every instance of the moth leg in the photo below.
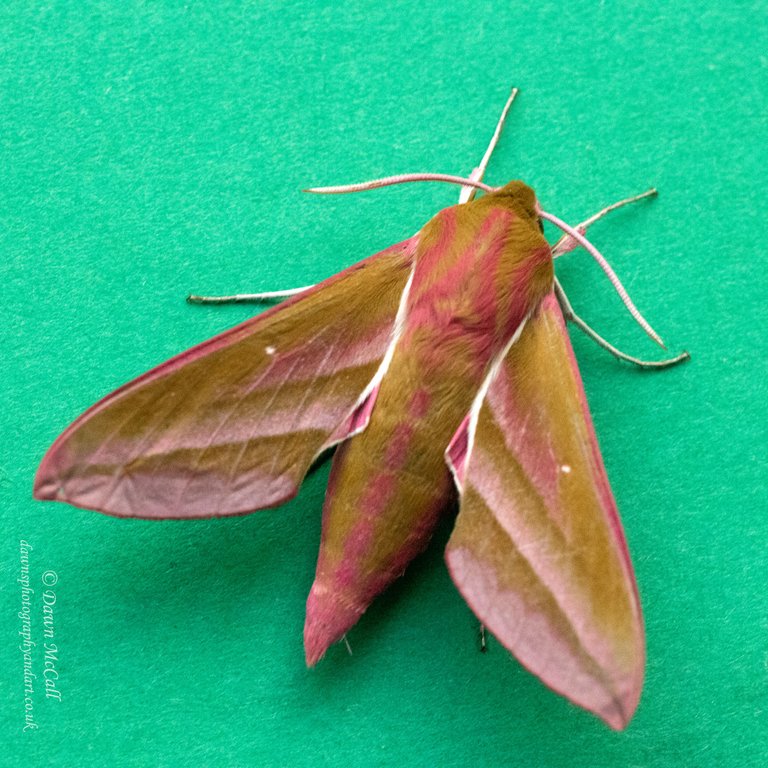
(468, 193)
(482, 638)
(247, 298)
(566, 243)
(571, 316)
(609, 273)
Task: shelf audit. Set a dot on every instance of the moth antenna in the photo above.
(566, 243)
(247, 298)
(572, 317)
(606, 267)
(400, 179)
(467, 192)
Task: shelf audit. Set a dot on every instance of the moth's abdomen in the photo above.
(387, 489)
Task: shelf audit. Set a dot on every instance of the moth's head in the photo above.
(520, 197)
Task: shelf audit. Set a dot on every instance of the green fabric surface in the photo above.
(153, 149)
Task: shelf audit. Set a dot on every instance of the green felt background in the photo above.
(150, 149)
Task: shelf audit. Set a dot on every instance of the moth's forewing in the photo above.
(538, 550)
(233, 424)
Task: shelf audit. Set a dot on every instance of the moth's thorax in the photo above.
(481, 268)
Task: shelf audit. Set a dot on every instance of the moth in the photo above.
(439, 368)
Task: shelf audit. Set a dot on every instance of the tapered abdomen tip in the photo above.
(328, 620)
